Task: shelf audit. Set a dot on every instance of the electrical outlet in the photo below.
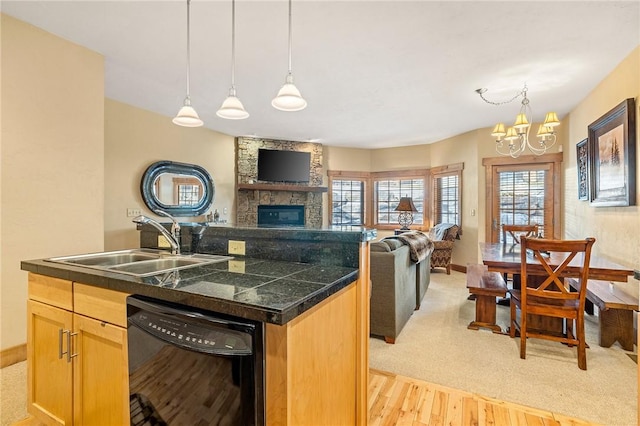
(133, 212)
(236, 247)
(163, 242)
(636, 274)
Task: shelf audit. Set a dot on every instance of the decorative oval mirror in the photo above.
(179, 189)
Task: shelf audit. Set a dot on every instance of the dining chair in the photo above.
(517, 231)
(543, 291)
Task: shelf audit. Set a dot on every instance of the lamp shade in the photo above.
(406, 205)
(521, 121)
(511, 134)
(551, 120)
(187, 117)
(499, 131)
(289, 97)
(544, 131)
(232, 109)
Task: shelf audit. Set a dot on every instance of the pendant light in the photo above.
(289, 97)
(187, 116)
(232, 108)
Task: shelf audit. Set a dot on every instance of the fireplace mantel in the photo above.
(278, 187)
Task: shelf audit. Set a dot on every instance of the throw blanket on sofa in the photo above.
(440, 230)
(420, 245)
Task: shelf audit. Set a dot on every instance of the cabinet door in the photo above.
(101, 374)
(49, 377)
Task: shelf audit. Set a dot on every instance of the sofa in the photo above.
(398, 285)
(443, 235)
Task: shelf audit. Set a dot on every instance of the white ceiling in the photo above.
(375, 73)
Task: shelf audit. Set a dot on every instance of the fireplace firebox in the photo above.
(280, 215)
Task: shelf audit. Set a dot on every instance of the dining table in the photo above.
(507, 258)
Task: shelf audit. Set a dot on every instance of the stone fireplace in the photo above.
(252, 193)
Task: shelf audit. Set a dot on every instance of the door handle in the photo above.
(60, 352)
(70, 356)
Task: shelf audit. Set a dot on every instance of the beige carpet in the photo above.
(436, 346)
(13, 393)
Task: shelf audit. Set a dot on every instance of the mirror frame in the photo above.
(156, 169)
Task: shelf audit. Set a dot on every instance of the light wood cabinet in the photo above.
(77, 362)
(49, 377)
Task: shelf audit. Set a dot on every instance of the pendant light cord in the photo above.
(188, 47)
(233, 46)
(289, 37)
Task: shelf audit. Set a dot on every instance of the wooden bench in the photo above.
(486, 286)
(615, 311)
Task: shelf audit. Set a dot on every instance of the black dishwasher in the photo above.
(193, 367)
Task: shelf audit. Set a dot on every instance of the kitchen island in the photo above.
(309, 288)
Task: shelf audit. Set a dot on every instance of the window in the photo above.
(446, 194)
(348, 198)
(387, 196)
(370, 198)
(347, 202)
(522, 197)
(523, 191)
(352, 197)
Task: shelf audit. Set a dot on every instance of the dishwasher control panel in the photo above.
(192, 335)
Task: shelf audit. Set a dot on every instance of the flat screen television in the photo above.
(283, 166)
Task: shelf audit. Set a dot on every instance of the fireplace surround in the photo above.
(252, 194)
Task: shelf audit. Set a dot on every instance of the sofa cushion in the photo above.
(385, 245)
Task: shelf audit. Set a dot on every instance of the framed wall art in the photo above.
(582, 158)
(612, 157)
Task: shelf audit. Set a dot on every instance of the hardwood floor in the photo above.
(398, 400)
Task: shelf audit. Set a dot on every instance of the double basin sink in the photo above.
(139, 262)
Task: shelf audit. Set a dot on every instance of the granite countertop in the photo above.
(257, 289)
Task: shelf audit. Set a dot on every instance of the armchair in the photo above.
(443, 235)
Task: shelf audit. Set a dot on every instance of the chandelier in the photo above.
(514, 140)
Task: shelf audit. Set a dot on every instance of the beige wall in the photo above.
(52, 159)
(616, 229)
(408, 157)
(134, 139)
(352, 159)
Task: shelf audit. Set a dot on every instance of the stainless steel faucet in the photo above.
(174, 240)
(175, 226)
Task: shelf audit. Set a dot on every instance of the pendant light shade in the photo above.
(232, 108)
(187, 116)
(289, 97)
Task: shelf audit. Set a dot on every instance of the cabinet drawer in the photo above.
(52, 291)
(100, 303)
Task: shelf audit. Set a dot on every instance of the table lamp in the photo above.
(406, 209)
